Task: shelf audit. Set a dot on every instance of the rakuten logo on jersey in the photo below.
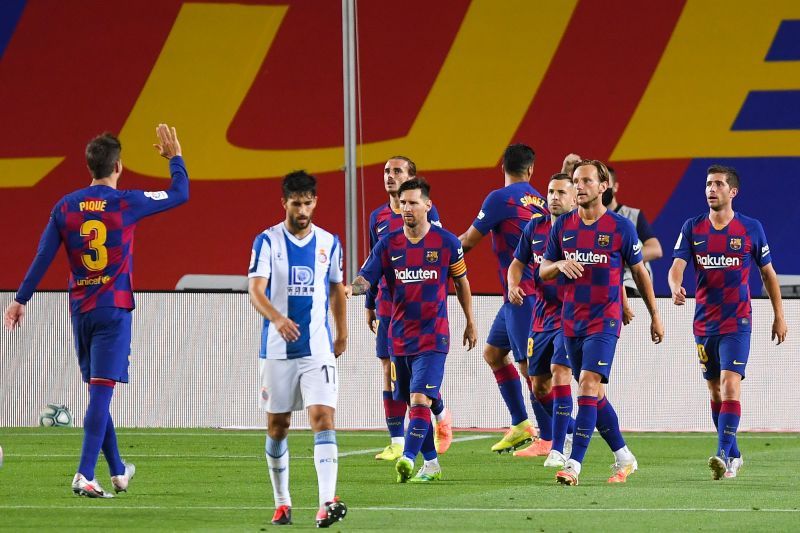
(587, 258)
(415, 275)
(538, 259)
(712, 262)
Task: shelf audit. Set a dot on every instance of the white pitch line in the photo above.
(349, 434)
(112, 506)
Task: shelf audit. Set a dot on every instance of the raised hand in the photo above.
(168, 145)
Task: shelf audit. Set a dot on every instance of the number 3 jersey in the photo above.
(300, 272)
(96, 225)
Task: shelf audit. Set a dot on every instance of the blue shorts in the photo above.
(382, 339)
(103, 343)
(422, 373)
(510, 328)
(594, 353)
(723, 352)
(546, 348)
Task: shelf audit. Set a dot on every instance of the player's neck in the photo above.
(394, 202)
(417, 232)
(613, 205)
(511, 179)
(298, 234)
(720, 219)
(108, 182)
(589, 215)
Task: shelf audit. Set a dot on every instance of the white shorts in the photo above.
(293, 384)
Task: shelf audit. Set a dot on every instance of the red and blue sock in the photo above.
(715, 408)
(428, 448)
(562, 415)
(95, 424)
(608, 425)
(419, 424)
(543, 411)
(729, 415)
(584, 426)
(511, 391)
(395, 412)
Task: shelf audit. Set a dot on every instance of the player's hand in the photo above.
(14, 314)
(287, 329)
(516, 295)
(372, 320)
(339, 346)
(569, 163)
(168, 145)
(656, 330)
(348, 291)
(779, 329)
(627, 315)
(470, 336)
(570, 268)
(679, 296)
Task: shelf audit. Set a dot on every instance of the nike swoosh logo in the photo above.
(537, 242)
(698, 243)
(735, 362)
(396, 258)
(381, 228)
(430, 386)
(602, 363)
(568, 238)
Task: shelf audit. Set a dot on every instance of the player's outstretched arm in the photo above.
(515, 294)
(645, 286)
(286, 327)
(339, 312)
(675, 279)
(771, 284)
(13, 315)
(470, 238)
(464, 295)
(168, 145)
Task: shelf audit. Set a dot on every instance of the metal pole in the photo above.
(350, 142)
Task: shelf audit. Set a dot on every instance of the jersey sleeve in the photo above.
(760, 249)
(49, 243)
(146, 203)
(553, 252)
(682, 248)
(260, 258)
(631, 248)
(336, 273)
(458, 267)
(433, 216)
(523, 252)
(490, 215)
(373, 234)
(372, 269)
(643, 228)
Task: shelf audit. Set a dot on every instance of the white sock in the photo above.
(623, 455)
(326, 457)
(441, 416)
(575, 465)
(398, 440)
(277, 452)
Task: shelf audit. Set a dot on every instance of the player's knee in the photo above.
(541, 385)
(495, 357)
(420, 399)
(321, 419)
(278, 426)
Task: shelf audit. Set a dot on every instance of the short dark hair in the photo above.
(560, 176)
(518, 158)
(612, 173)
(300, 183)
(730, 174)
(416, 183)
(412, 167)
(102, 153)
(602, 169)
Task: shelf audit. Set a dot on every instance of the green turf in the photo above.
(216, 480)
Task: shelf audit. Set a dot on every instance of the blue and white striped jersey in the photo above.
(299, 273)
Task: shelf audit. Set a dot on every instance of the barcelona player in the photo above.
(589, 247)
(295, 275)
(382, 221)
(504, 213)
(96, 224)
(416, 262)
(722, 245)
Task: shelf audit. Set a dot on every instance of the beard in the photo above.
(299, 224)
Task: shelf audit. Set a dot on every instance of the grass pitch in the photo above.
(216, 480)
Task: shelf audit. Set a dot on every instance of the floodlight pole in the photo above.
(350, 142)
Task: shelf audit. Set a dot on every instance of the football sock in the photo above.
(584, 426)
(562, 415)
(111, 451)
(395, 411)
(428, 446)
(511, 391)
(277, 452)
(608, 425)
(543, 410)
(729, 416)
(437, 408)
(326, 460)
(715, 408)
(419, 421)
(623, 455)
(94, 424)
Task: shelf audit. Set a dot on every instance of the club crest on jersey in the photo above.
(301, 281)
(603, 240)
(432, 256)
(322, 257)
(735, 243)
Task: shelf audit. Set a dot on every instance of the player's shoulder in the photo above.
(323, 234)
(271, 233)
(570, 218)
(749, 223)
(623, 223)
(378, 211)
(446, 236)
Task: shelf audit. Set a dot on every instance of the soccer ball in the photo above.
(55, 415)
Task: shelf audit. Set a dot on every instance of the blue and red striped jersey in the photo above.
(416, 275)
(548, 293)
(722, 259)
(593, 302)
(96, 225)
(505, 212)
(383, 221)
